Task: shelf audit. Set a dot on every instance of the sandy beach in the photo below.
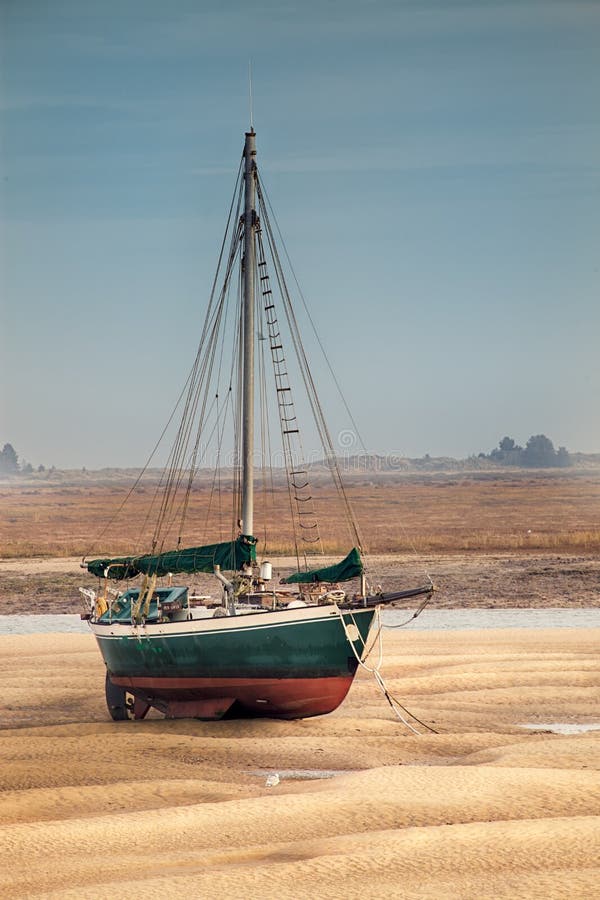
(483, 808)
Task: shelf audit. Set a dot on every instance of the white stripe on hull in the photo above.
(221, 624)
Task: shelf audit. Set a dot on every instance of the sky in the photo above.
(434, 167)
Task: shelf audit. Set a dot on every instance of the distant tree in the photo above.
(9, 461)
(26, 468)
(507, 452)
(539, 452)
(41, 468)
(562, 457)
(507, 444)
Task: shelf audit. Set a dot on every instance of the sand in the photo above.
(484, 808)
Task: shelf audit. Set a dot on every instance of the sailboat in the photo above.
(289, 650)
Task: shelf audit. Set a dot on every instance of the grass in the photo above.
(520, 511)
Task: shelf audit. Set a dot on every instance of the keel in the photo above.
(120, 702)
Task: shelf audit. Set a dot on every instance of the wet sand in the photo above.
(484, 808)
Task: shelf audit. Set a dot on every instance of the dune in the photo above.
(364, 808)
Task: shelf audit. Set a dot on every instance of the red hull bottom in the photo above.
(213, 698)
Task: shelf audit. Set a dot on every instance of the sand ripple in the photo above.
(90, 808)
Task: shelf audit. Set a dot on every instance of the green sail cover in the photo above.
(230, 555)
(348, 568)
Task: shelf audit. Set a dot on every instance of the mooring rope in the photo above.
(397, 707)
(414, 615)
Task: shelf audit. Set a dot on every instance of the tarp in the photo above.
(348, 568)
(230, 555)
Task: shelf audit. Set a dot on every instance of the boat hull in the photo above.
(214, 698)
(282, 664)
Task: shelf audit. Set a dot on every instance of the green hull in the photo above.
(291, 644)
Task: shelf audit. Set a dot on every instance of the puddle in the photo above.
(300, 774)
(562, 727)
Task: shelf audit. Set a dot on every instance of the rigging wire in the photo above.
(199, 389)
(303, 517)
(266, 458)
(143, 471)
(266, 204)
(222, 419)
(307, 377)
(237, 420)
(312, 323)
(186, 392)
(202, 416)
(202, 395)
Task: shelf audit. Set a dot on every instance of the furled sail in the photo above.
(229, 555)
(350, 567)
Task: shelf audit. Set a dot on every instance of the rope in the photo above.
(397, 707)
(414, 615)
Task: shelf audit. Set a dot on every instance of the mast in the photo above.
(248, 335)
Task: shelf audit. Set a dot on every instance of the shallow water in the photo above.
(42, 624)
(429, 620)
(467, 619)
(299, 774)
(273, 778)
(562, 727)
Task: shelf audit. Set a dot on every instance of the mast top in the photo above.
(250, 94)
